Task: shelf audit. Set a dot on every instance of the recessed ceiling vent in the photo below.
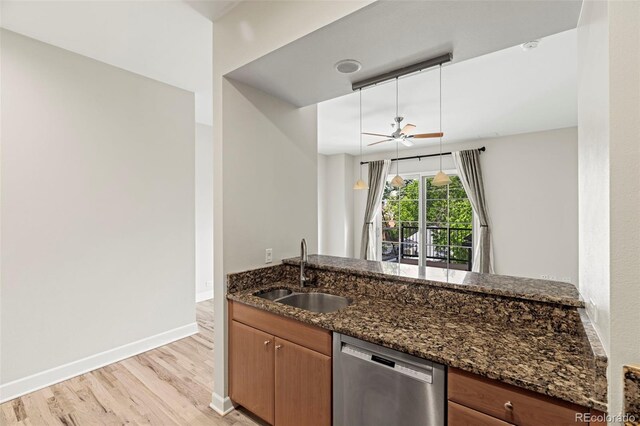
(348, 66)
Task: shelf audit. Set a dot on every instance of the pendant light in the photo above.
(397, 181)
(360, 184)
(441, 178)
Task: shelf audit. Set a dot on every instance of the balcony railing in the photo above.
(443, 247)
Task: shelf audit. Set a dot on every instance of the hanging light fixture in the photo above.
(397, 181)
(360, 184)
(441, 178)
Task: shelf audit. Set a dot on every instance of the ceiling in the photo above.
(387, 35)
(213, 9)
(168, 41)
(506, 92)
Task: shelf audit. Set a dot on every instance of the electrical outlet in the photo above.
(544, 277)
(268, 255)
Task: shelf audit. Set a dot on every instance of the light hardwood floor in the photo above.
(170, 385)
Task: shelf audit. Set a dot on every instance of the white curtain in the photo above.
(378, 171)
(468, 166)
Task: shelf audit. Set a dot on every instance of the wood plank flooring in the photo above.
(170, 385)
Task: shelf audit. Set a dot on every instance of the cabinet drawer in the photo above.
(509, 403)
(306, 335)
(459, 415)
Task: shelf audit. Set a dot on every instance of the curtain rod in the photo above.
(418, 157)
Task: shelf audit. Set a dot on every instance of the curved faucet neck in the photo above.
(303, 251)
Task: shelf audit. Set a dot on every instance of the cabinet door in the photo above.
(459, 415)
(251, 370)
(303, 386)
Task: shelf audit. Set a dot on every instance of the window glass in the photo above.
(401, 221)
(448, 225)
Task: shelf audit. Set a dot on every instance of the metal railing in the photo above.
(443, 247)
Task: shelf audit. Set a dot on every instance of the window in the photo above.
(401, 221)
(448, 228)
(427, 225)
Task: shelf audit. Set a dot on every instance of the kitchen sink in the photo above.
(275, 294)
(316, 302)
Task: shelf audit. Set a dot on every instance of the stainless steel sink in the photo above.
(275, 294)
(316, 302)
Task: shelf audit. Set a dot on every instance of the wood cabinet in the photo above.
(496, 403)
(303, 386)
(279, 369)
(251, 373)
(459, 415)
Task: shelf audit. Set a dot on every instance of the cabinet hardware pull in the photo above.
(266, 342)
(278, 346)
(508, 406)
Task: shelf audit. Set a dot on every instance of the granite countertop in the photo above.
(632, 393)
(543, 361)
(502, 285)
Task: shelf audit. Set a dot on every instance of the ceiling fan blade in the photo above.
(427, 135)
(376, 134)
(407, 128)
(376, 143)
(406, 142)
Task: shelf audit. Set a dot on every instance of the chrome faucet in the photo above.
(304, 280)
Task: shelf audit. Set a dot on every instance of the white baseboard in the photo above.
(54, 375)
(220, 405)
(204, 295)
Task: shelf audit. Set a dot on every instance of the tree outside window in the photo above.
(446, 225)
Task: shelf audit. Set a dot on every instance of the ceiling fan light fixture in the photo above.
(397, 182)
(441, 179)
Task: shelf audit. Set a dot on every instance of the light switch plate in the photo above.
(268, 255)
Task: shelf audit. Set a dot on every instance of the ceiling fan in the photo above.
(401, 134)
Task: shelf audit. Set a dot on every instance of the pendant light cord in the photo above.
(440, 117)
(397, 144)
(397, 162)
(397, 98)
(397, 107)
(360, 134)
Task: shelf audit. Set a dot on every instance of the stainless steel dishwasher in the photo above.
(377, 386)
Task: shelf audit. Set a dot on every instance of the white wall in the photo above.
(204, 212)
(335, 208)
(270, 177)
(624, 158)
(97, 213)
(609, 147)
(531, 184)
(593, 154)
(249, 31)
(323, 208)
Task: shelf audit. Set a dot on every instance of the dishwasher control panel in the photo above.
(422, 373)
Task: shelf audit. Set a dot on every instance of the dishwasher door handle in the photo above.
(383, 361)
